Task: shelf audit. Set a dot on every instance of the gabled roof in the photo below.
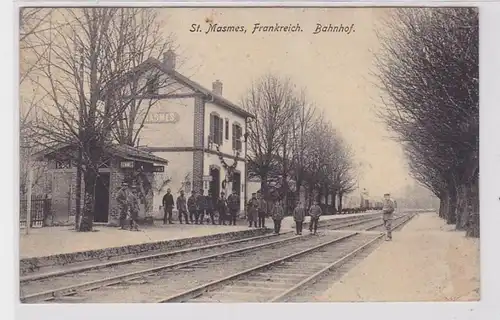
(120, 150)
(198, 88)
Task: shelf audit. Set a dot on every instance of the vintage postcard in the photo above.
(223, 154)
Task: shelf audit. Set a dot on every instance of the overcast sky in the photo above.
(333, 67)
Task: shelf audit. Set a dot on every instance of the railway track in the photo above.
(88, 283)
(277, 280)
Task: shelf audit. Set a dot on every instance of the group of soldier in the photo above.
(198, 206)
(128, 204)
(258, 209)
(194, 209)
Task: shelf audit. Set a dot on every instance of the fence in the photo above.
(40, 209)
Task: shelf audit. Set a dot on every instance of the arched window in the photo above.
(216, 128)
(237, 134)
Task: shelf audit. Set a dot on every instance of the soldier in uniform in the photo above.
(222, 208)
(387, 212)
(298, 216)
(277, 214)
(210, 206)
(121, 198)
(252, 210)
(168, 205)
(200, 207)
(233, 206)
(182, 207)
(315, 212)
(191, 204)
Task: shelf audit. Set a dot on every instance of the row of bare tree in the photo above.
(290, 143)
(429, 73)
(72, 61)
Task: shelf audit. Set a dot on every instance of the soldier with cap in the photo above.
(252, 209)
(168, 205)
(121, 198)
(387, 213)
(222, 208)
(191, 204)
(233, 204)
(182, 207)
(200, 207)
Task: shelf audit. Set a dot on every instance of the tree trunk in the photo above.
(78, 190)
(441, 206)
(334, 202)
(473, 225)
(462, 206)
(340, 201)
(87, 219)
(451, 214)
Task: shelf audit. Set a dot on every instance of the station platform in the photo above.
(47, 241)
(426, 261)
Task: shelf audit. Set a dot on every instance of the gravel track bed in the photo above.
(165, 283)
(264, 285)
(314, 291)
(96, 274)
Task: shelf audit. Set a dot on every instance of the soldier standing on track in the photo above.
(210, 206)
(233, 203)
(182, 207)
(222, 208)
(200, 207)
(191, 204)
(277, 214)
(121, 198)
(253, 205)
(262, 210)
(168, 205)
(387, 211)
(299, 214)
(315, 212)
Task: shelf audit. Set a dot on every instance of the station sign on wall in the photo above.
(162, 117)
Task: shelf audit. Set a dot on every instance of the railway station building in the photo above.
(121, 163)
(199, 132)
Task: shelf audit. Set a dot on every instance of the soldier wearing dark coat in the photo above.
(222, 208)
(233, 204)
(168, 205)
(262, 210)
(210, 206)
(200, 207)
(191, 204)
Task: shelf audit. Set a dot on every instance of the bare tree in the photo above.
(271, 99)
(428, 70)
(78, 72)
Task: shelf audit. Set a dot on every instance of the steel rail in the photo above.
(70, 270)
(197, 291)
(331, 266)
(92, 285)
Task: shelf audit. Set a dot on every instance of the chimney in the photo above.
(217, 87)
(169, 59)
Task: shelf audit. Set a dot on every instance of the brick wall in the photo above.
(115, 181)
(198, 139)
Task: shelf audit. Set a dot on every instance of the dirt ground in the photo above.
(426, 261)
